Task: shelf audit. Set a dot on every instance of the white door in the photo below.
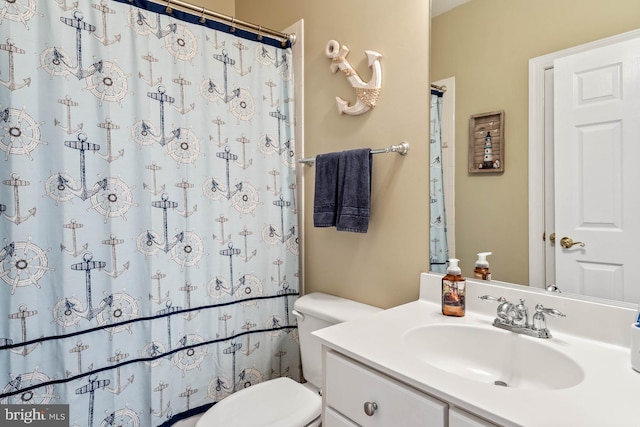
(597, 171)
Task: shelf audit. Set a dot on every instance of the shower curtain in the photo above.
(438, 248)
(148, 224)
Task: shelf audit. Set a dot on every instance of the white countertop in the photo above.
(608, 395)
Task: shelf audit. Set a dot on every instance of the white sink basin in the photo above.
(493, 356)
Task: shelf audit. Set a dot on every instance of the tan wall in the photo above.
(381, 267)
(226, 7)
(275, 14)
(486, 45)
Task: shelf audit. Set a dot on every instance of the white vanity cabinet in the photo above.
(458, 418)
(356, 395)
(335, 419)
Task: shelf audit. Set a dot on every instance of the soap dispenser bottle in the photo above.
(453, 290)
(482, 267)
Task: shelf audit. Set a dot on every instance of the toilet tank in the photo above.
(316, 311)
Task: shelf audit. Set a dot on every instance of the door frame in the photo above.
(539, 145)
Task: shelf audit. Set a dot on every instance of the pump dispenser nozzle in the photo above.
(482, 267)
(453, 266)
(482, 259)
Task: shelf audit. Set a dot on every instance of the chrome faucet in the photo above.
(515, 317)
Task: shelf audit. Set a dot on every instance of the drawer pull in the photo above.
(370, 408)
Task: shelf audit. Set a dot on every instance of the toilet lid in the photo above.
(281, 402)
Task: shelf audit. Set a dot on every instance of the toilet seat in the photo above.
(281, 402)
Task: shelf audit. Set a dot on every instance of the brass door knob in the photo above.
(567, 243)
(552, 238)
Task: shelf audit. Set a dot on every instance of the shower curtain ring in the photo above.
(202, 18)
(232, 29)
(168, 9)
(260, 33)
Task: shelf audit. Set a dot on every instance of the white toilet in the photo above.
(283, 402)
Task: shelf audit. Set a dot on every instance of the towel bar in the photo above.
(402, 149)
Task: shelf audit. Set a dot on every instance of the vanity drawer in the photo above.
(350, 387)
(459, 418)
(334, 419)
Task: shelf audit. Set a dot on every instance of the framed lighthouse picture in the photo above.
(486, 142)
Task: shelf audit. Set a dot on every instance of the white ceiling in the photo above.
(438, 7)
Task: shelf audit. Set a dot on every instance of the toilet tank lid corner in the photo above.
(332, 308)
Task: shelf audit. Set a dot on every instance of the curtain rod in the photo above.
(203, 12)
(442, 88)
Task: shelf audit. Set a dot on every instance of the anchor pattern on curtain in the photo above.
(148, 217)
(438, 247)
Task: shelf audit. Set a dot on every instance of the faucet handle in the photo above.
(492, 298)
(504, 309)
(539, 322)
(550, 311)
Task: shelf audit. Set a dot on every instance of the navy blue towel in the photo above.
(326, 190)
(343, 190)
(354, 190)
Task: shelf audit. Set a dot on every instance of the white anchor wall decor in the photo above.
(367, 93)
